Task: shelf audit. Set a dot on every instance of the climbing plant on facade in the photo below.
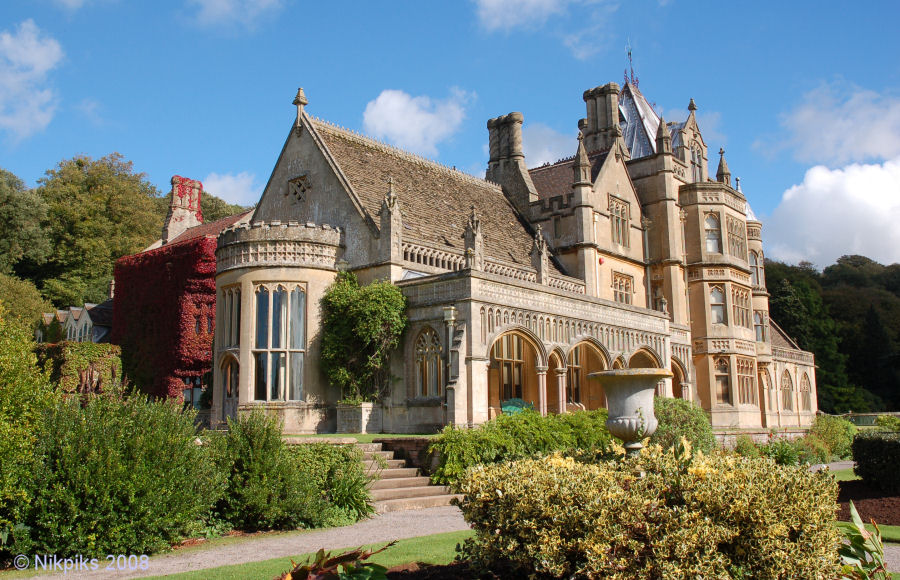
(361, 326)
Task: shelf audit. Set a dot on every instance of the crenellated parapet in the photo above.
(276, 243)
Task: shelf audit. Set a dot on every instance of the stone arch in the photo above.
(584, 358)
(644, 358)
(619, 362)
(680, 386)
(515, 356)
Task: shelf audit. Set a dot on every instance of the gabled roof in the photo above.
(101, 314)
(780, 338)
(435, 201)
(640, 122)
(556, 179)
(209, 229)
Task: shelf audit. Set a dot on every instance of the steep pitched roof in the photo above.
(556, 179)
(101, 314)
(780, 338)
(209, 229)
(640, 122)
(435, 201)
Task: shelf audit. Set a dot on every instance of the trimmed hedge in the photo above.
(658, 515)
(509, 437)
(877, 456)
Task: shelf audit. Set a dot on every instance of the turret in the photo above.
(723, 175)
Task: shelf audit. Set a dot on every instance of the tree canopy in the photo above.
(22, 212)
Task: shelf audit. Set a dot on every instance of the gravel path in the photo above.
(383, 528)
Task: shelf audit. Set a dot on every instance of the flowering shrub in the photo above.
(163, 297)
(657, 515)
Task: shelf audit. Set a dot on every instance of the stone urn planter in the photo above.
(361, 418)
(629, 399)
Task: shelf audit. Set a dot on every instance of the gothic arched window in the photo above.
(713, 233)
(429, 375)
(805, 393)
(759, 323)
(757, 275)
(787, 392)
(696, 162)
(717, 305)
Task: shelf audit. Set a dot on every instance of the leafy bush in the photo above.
(339, 476)
(82, 366)
(361, 325)
(509, 437)
(657, 515)
(24, 395)
(681, 419)
(782, 451)
(811, 449)
(836, 433)
(877, 455)
(265, 488)
(116, 477)
(746, 447)
(888, 422)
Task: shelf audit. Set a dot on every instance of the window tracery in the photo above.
(429, 370)
(280, 342)
(713, 233)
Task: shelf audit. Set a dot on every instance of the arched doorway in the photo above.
(643, 359)
(582, 393)
(230, 376)
(679, 382)
(512, 373)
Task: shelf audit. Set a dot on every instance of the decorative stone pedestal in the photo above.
(629, 398)
(362, 418)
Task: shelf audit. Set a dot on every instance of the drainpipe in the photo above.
(645, 222)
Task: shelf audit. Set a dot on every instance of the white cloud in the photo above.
(839, 123)
(583, 40)
(27, 104)
(509, 14)
(415, 123)
(234, 13)
(542, 144)
(853, 210)
(241, 188)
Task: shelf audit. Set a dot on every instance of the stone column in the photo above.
(542, 390)
(561, 389)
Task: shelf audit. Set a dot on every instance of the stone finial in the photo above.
(390, 198)
(391, 225)
(723, 175)
(582, 166)
(737, 183)
(692, 106)
(663, 137)
(300, 102)
(474, 242)
(540, 258)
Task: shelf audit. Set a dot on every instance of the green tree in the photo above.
(361, 326)
(215, 208)
(98, 211)
(25, 303)
(21, 213)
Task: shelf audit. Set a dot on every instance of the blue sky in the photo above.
(804, 96)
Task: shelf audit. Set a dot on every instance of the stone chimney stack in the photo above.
(602, 125)
(506, 165)
(184, 208)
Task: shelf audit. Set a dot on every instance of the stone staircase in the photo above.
(398, 487)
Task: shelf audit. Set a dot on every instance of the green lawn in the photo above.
(889, 534)
(364, 437)
(436, 549)
(845, 475)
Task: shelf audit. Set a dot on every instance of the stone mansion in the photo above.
(631, 253)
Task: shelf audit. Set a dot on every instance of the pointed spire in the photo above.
(723, 175)
(663, 137)
(582, 166)
(692, 106)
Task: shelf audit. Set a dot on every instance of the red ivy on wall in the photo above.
(163, 298)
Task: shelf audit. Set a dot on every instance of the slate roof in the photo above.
(780, 338)
(640, 122)
(101, 314)
(556, 179)
(208, 229)
(435, 201)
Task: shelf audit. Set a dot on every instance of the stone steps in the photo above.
(397, 487)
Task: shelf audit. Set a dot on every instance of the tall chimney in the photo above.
(184, 207)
